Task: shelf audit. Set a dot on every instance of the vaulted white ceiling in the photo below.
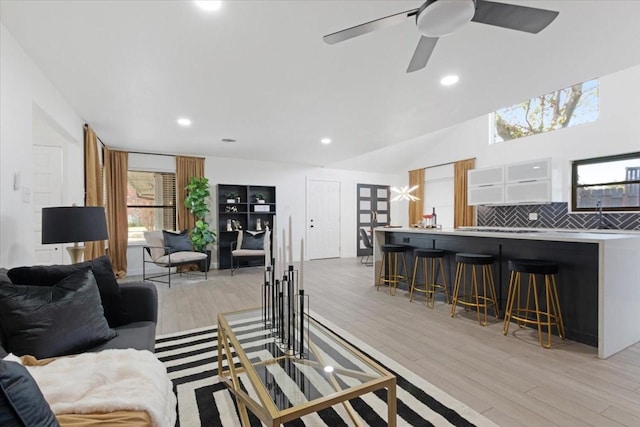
(259, 72)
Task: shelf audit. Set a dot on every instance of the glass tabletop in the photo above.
(329, 366)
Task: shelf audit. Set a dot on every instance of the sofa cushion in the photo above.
(177, 242)
(155, 241)
(48, 321)
(21, 401)
(48, 275)
(180, 258)
(253, 240)
(136, 335)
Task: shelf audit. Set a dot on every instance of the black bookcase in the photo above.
(240, 204)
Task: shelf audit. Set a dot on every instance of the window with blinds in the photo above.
(151, 202)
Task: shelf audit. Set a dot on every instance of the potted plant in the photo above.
(232, 197)
(259, 198)
(197, 202)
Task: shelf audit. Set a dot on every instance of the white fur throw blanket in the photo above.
(111, 380)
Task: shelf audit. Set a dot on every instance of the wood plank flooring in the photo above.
(511, 380)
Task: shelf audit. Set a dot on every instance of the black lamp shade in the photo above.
(73, 224)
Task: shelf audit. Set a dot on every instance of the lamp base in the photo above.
(76, 253)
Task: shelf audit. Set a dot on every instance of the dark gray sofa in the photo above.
(139, 301)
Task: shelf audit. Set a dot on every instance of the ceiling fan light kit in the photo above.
(437, 18)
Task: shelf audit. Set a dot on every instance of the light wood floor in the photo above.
(511, 380)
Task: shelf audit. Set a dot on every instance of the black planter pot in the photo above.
(205, 264)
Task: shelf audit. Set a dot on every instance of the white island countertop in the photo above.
(558, 235)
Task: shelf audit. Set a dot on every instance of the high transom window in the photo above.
(151, 202)
(606, 183)
(563, 108)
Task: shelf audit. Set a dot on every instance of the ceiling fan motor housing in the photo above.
(437, 18)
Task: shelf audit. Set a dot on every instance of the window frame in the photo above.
(600, 160)
(173, 207)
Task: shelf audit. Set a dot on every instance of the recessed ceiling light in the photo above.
(183, 121)
(326, 140)
(449, 80)
(209, 5)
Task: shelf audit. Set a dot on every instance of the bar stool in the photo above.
(550, 314)
(388, 272)
(429, 274)
(471, 297)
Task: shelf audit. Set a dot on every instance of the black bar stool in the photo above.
(388, 273)
(471, 297)
(430, 270)
(549, 314)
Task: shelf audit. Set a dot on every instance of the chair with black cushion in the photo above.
(169, 250)
(389, 273)
(248, 245)
(470, 295)
(366, 258)
(430, 262)
(545, 311)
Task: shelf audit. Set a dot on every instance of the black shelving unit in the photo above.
(239, 203)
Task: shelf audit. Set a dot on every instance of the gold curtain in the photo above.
(186, 168)
(463, 215)
(93, 193)
(116, 165)
(416, 177)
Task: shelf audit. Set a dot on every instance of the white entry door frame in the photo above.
(323, 219)
(47, 191)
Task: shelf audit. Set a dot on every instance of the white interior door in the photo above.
(323, 224)
(47, 191)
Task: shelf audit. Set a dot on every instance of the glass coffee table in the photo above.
(278, 387)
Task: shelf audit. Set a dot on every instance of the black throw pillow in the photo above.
(49, 275)
(21, 401)
(49, 321)
(177, 242)
(253, 241)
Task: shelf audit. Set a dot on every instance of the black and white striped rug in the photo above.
(191, 359)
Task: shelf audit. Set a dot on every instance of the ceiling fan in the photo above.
(437, 18)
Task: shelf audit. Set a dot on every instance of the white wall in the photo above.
(615, 132)
(290, 182)
(26, 93)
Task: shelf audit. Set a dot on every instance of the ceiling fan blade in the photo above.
(368, 27)
(422, 53)
(521, 18)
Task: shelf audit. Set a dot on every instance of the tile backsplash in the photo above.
(552, 215)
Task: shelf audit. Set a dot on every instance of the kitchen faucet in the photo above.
(601, 221)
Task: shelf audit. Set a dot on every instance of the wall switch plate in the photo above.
(533, 216)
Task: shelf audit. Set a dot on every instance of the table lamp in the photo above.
(73, 224)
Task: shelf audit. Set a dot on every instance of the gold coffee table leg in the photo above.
(391, 404)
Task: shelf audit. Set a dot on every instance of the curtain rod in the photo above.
(448, 163)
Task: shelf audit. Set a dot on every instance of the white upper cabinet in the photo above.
(534, 170)
(485, 177)
(524, 182)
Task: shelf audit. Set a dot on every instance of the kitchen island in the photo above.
(598, 281)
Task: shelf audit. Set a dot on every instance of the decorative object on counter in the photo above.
(549, 314)
(231, 209)
(237, 225)
(229, 225)
(284, 303)
(404, 193)
(426, 259)
(259, 198)
(73, 224)
(258, 224)
(434, 216)
(471, 296)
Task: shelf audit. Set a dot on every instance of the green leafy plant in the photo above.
(258, 196)
(231, 195)
(196, 201)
